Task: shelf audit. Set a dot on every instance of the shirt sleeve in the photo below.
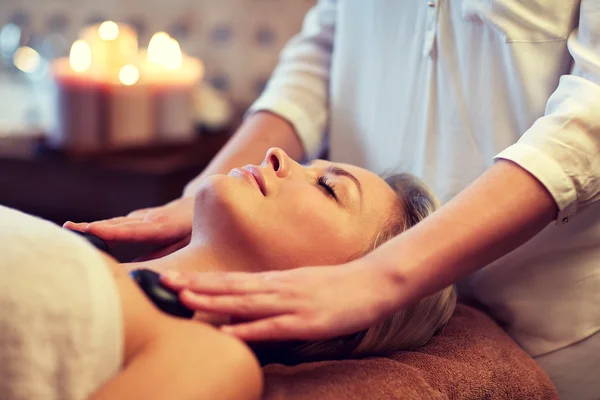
(562, 148)
(298, 88)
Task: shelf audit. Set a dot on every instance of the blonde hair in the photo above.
(408, 328)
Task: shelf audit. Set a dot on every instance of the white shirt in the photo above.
(440, 89)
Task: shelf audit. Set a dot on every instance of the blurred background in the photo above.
(236, 43)
(237, 40)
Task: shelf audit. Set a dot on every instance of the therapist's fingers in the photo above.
(84, 226)
(134, 231)
(162, 225)
(220, 283)
(134, 216)
(114, 221)
(75, 226)
(243, 306)
(128, 229)
(284, 327)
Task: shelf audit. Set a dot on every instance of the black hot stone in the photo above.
(94, 240)
(164, 298)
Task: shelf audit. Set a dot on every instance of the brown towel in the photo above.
(473, 358)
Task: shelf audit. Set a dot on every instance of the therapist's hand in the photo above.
(163, 225)
(305, 304)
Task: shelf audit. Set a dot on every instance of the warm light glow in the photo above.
(158, 46)
(165, 51)
(173, 57)
(129, 75)
(27, 59)
(80, 57)
(108, 30)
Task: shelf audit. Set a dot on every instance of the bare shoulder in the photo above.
(182, 346)
(214, 357)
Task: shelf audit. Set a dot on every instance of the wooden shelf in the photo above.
(87, 187)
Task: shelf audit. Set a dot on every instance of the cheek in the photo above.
(310, 234)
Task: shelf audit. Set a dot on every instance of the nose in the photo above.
(278, 159)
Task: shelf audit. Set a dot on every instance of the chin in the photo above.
(217, 192)
(224, 209)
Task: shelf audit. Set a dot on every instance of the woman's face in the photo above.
(284, 215)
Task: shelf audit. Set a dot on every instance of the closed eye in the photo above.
(328, 186)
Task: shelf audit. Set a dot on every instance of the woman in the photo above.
(250, 219)
(283, 214)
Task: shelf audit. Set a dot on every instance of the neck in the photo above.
(196, 257)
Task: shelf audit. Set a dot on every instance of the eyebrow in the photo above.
(334, 169)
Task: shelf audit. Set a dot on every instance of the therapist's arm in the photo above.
(500, 211)
(549, 174)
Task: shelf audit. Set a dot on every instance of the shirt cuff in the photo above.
(550, 174)
(306, 130)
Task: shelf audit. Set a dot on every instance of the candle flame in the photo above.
(108, 30)
(173, 59)
(80, 57)
(157, 45)
(27, 59)
(165, 51)
(129, 75)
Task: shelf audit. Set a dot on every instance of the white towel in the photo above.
(61, 333)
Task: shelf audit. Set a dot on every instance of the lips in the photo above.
(258, 177)
(254, 175)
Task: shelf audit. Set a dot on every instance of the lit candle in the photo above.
(129, 111)
(79, 124)
(111, 95)
(172, 77)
